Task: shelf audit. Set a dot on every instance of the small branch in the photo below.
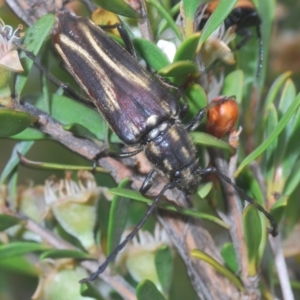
(143, 23)
(281, 267)
(235, 217)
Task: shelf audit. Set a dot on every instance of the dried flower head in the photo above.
(139, 255)
(9, 57)
(74, 205)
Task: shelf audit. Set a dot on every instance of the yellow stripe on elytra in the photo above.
(121, 70)
(108, 86)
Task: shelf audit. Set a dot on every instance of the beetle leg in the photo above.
(246, 34)
(185, 106)
(243, 195)
(124, 35)
(116, 155)
(148, 182)
(194, 123)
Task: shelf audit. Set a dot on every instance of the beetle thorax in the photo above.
(171, 151)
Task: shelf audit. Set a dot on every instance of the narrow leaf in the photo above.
(161, 9)
(221, 269)
(21, 147)
(19, 248)
(205, 139)
(281, 124)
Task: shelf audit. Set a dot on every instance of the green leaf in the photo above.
(179, 68)
(161, 9)
(164, 24)
(204, 189)
(278, 209)
(53, 166)
(64, 253)
(29, 134)
(147, 290)
(267, 10)
(229, 257)
(274, 90)
(188, 212)
(79, 130)
(197, 100)
(118, 7)
(34, 39)
(223, 9)
(179, 71)
(291, 212)
(20, 265)
(164, 267)
(20, 248)
(205, 139)
(68, 111)
(21, 147)
(187, 50)
(7, 221)
(247, 60)
(189, 8)
(272, 122)
(89, 290)
(221, 269)
(13, 122)
(118, 216)
(258, 196)
(293, 181)
(153, 55)
(233, 85)
(253, 235)
(292, 154)
(281, 125)
(287, 97)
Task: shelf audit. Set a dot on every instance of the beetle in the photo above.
(138, 108)
(243, 16)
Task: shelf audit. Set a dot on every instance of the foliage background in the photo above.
(284, 55)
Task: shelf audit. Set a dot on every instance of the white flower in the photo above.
(168, 48)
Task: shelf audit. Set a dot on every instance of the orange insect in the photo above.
(222, 118)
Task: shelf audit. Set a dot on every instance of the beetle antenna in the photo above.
(274, 230)
(130, 236)
(261, 51)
